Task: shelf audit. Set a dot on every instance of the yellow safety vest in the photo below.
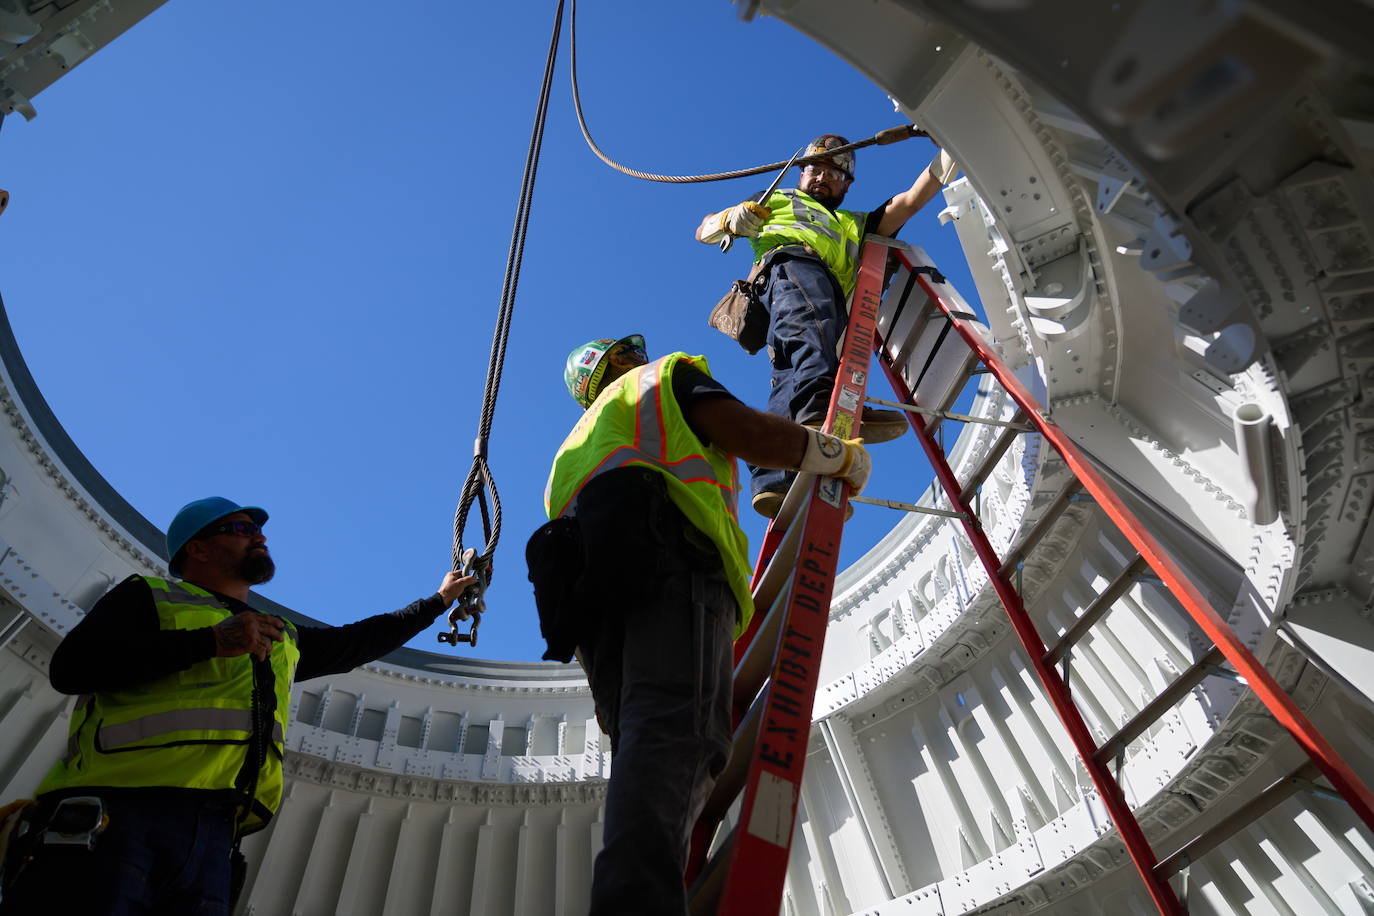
(189, 729)
(637, 422)
(797, 219)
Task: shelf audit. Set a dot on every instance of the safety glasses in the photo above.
(628, 349)
(822, 171)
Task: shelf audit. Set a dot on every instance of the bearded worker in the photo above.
(806, 253)
(176, 742)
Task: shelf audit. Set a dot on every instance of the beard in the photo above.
(257, 568)
(829, 201)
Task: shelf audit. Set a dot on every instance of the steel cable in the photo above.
(891, 135)
(479, 479)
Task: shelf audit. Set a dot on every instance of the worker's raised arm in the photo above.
(905, 205)
(744, 219)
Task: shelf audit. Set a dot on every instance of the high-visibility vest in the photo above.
(797, 219)
(189, 729)
(636, 422)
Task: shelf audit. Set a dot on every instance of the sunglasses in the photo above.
(241, 528)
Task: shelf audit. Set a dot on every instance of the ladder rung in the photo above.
(999, 448)
(1177, 689)
(705, 893)
(731, 779)
(1228, 826)
(1040, 528)
(906, 507)
(1101, 604)
(1013, 424)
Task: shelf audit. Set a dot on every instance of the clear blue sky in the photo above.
(256, 249)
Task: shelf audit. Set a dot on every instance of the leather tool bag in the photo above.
(740, 314)
(601, 562)
(555, 559)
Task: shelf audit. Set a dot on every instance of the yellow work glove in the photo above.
(744, 219)
(831, 456)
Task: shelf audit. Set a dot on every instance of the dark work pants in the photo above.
(806, 317)
(660, 673)
(152, 860)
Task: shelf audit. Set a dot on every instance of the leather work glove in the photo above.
(943, 168)
(744, 219)
(831, 456)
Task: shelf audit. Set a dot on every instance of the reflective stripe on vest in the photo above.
(650, 449)
(636, 421)
(210, 718)
(798, 219)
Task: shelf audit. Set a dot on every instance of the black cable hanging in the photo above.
(479, 480)
(882, 138)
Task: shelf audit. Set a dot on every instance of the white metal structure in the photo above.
(1169, 214)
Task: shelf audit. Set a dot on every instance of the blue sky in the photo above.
(256, 249)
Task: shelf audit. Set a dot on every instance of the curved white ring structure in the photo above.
(1169, 214)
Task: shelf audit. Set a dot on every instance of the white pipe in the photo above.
(1252, 425)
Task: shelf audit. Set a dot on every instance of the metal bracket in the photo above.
(907, 507)
(1226, 673)
(471, 603)
(1319, 791)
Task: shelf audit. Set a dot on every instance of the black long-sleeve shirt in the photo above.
(120, 644)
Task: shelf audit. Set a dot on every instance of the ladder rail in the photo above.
(773, 538)
(1132, 836)
(773, 715)
(756, 859)
(1280, 705)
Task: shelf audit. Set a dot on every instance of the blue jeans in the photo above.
(806, 316)
(660, 673)
(154, 859)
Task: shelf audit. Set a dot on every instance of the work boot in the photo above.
(769, 502)
(877, 425)
(882, 425)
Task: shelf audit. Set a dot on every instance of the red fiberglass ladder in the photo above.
(928, 345)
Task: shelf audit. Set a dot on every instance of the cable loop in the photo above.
(882, 138)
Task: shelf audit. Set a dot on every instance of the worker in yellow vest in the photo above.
(806, 256)
(176, 741)
(643, 570)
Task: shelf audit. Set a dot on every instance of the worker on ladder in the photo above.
(643, 570)
(805, 255)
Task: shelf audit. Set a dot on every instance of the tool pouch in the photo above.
(613, 545)
(555, 560)
(741, 314)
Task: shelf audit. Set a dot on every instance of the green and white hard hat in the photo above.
(587, 364)
(826, 142)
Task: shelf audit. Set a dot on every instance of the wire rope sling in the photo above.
(480, 482)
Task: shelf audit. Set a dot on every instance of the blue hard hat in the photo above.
(196, 515)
